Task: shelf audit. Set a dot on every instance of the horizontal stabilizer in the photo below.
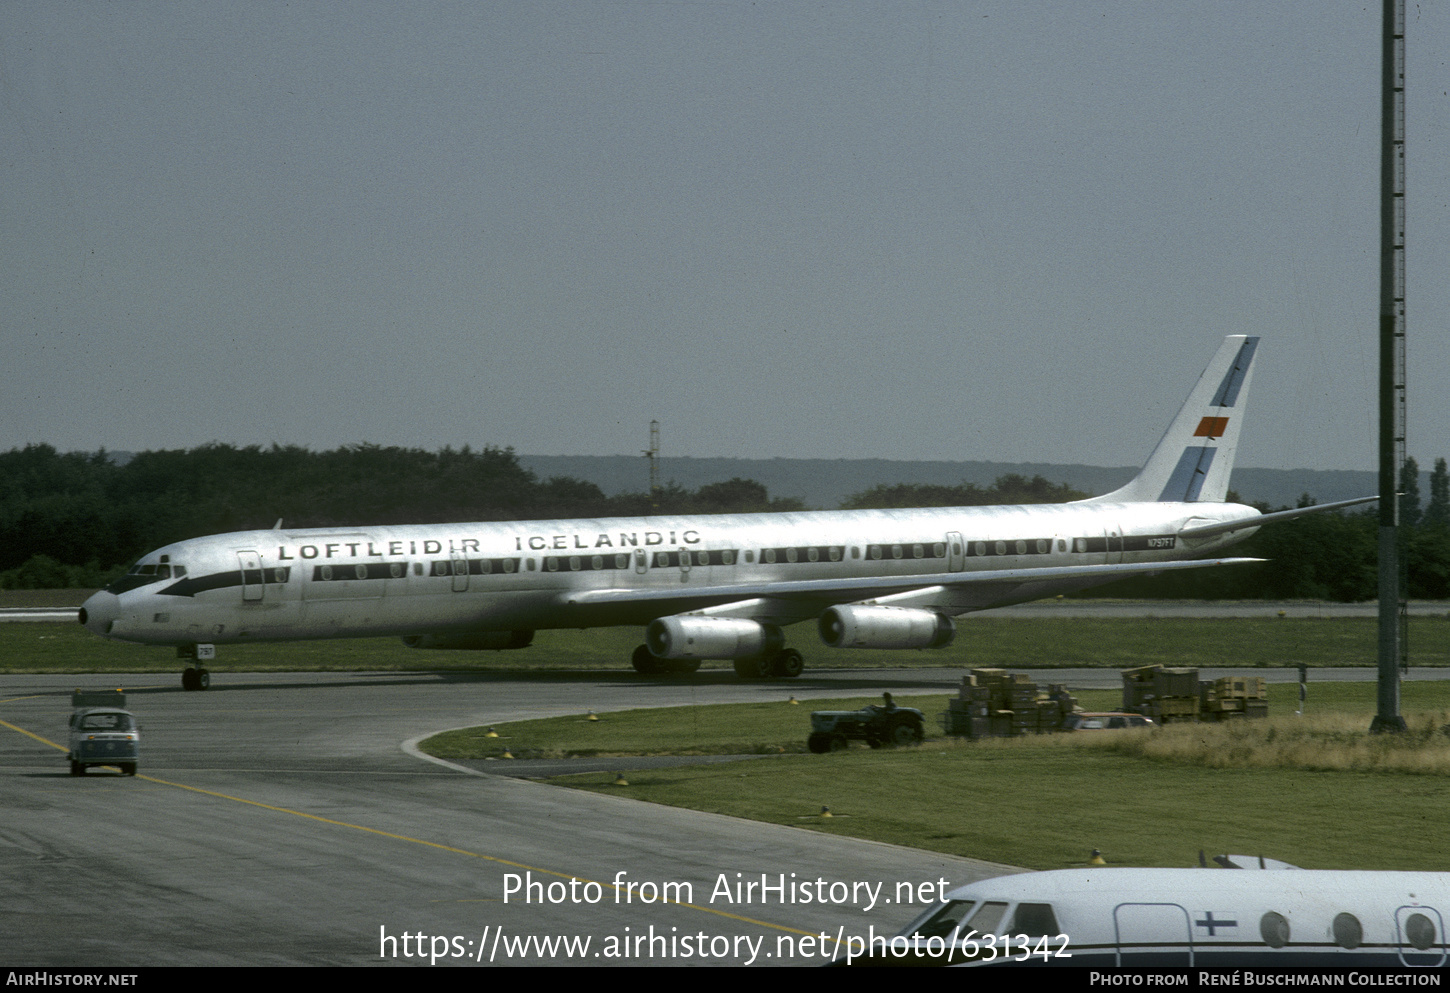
(1209, 530)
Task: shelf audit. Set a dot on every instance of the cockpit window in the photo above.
(939, 923)
(988, 917)
(143, 574)
(1035, 920)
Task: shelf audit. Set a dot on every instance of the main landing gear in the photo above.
(195, 676)
(649, 664)
(786, 662)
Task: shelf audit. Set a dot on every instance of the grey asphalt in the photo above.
(278, 820)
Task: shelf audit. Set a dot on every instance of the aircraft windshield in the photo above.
(144, 573)
(939, 922)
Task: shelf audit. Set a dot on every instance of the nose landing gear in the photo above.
(195, 677)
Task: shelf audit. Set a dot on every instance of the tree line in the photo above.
(78, 520)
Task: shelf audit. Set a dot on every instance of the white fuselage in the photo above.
(508, 576)
(1187, 917)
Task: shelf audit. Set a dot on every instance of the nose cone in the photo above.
(100, 612)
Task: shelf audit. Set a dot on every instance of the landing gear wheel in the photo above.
(203, 679)
(190, 680)
(819, 743)
(905, 732)
(753, 667)
(647, 663)
(787, 663)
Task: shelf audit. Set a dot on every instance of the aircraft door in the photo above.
(250, 564)
(1114, 535)
(956, 552)
(460, 569)
(1164, 927)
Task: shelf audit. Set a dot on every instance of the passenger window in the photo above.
(1420, 931)
(1348, 932)
(1274, 929)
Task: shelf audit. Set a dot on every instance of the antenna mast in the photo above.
(653, 454)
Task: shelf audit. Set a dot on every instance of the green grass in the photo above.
(1040, 806)
(1040, 802)
(985, 641)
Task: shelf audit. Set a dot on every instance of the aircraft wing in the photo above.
(956, 592)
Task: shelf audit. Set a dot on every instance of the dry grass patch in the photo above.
(1330, 742)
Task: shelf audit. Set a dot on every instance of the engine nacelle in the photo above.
(850, 626)
(480, 641)
(696, 637)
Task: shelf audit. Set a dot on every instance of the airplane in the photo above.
(707, 586)
(1112, 917)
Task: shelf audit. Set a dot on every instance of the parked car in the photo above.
(1105, 722)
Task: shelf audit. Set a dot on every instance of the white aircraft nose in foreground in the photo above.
(705, 587)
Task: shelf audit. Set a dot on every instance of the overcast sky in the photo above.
(1007, 231)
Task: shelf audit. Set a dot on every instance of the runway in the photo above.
(277, 820)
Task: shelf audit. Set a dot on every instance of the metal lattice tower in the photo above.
(1393, 562)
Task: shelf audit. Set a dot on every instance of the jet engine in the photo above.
(697, 637)
(479, 641)
(850, 626)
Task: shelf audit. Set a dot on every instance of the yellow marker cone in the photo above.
(490, 733)
(793, 702)
(506, 754)
(619, 779)
(1097, 858)
(592, 716)
(825, 811)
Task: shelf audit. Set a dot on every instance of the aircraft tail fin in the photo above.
(1193, 461)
